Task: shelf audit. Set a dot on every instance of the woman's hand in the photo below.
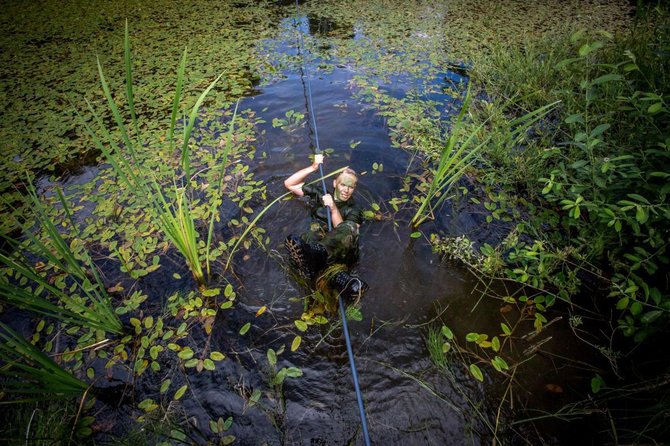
(318, 160)
(328, 201)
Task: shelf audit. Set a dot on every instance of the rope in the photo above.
(343, 313)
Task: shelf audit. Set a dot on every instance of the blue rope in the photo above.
(312, 114)
(343, 314)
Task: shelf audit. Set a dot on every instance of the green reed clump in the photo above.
(173, 213)
(29, 371)
(436, 351)
(84, 301)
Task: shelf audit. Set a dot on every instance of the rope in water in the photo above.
(343, 313)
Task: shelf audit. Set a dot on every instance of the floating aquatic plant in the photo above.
(173, 214)
(85, 302)
(31, 372)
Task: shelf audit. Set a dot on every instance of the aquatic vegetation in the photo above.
(32, 373)
(174, 215)
(591, 186)
(168, 191)
(78, 295)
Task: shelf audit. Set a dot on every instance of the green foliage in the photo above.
(598, 168)
(78, 296)
(31, 372)
(48, 422)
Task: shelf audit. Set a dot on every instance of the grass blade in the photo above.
(215, 201)
(32, 370)
(189, 129)
(177, 98)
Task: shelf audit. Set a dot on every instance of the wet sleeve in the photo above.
(311, 191)
(354, 213)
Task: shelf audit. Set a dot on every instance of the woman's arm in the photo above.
(295, 182)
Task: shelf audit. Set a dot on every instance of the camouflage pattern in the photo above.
(341, 243)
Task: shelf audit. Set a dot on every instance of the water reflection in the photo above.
(407, 287)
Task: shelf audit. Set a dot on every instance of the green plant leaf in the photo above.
(597, 382)
(272, 357)
(180, 392)
(296, 343)
(217, 356)
(446, 331)
(165, 386)
(301, 325)
(476, 372)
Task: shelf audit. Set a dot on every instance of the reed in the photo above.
(84, 303)
(216, 199)
(463, 147)
(29, 371)
(173, 215)
(451, 166)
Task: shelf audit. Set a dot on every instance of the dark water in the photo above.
(407, 400)
(408, 287)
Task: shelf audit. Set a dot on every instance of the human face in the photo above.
(344, 185)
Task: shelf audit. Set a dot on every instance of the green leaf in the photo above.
(272, 357)
(301, 325)
(228, 291)
(577, 117)
(599, 130)
(186, 353)
(415, 234)
(585, 49)
(655, 108)
(651, 316)
(495, 344)
(622, 304)
(293, 372)
(501, 363)
(227, 423)
(476, 372)
(245, 328)
(217, 356)
(209, 364)
(180, 392)
(635, 308)
(606, 78)
(147, 405)
(191, 363)
(296, 343)
(255, 396)
(165, 385)
(596, 383)
(446, 331)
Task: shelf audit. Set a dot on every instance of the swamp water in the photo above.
(408, 401)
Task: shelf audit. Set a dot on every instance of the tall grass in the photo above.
(84, 303)
(31, 372)
(173, 215)
(465, 145)
(451, 166)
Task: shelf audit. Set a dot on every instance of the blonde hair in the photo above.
(348, 171)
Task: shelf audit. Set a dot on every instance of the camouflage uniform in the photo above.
(341, 242)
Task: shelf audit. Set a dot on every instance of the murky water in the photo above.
(407, 400)
(408, 287)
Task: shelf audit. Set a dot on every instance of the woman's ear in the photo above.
(335, 183)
